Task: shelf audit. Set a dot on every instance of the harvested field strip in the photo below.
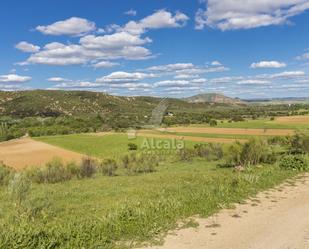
(190, 138)
(235, 131)
(24, 152)
(293, 120)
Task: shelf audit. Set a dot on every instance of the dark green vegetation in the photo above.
(119, 202)
(43, 112)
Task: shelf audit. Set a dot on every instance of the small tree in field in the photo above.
(213, 123)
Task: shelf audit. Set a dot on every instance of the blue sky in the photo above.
(248, 49)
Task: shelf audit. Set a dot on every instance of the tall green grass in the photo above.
(117, 212)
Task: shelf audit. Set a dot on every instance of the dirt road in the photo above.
(276, 219)
(20, 153)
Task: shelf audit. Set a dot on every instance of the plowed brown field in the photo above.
(20, 153)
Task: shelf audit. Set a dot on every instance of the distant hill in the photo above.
(284, 100)
(74, 103)
(213, 98)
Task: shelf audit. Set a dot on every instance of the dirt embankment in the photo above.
(20, 153)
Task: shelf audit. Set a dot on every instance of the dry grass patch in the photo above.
(293, 120)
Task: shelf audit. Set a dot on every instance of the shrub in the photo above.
(74, 169)
(137, 164)
(294, 162)
(5, 174)
(88, 167)
(213, 122)
(233, 154)
(300, 143)
(186, 154)
(108, 167)
(53, 172)
(209, 151)
(132, 146)
(251, 153)
(19, 188)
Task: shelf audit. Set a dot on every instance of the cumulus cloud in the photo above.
(76, 85)
(171, 67)
(57, 79)
(14, 78)
(74, 26)
(104, 64)
(253, 82)
(124, 77)
(180, 83)
(244, 14)
(158, 20)
(288, 74)
(122, 42)
(27, 47)
(216, 63)
(185, 76)
(268, 64)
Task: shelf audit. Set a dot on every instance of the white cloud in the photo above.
(180, 83)
(171, 67)
(227, 79)
(288, 74)
(185, 76)
(105, 64)
(244, 14)
(14, 78)
(73, 26)
(124, 43)
(158, 20)
(27, 47)
(172, 83)
(57, 79)
(216, 63)
(268, 64)
(77, 85)
(131, 12)
(253, 82)
(113, 41)
(304, 56)
(124, 77)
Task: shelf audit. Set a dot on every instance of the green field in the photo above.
(117, 212)
(111, 145)
(259, 124)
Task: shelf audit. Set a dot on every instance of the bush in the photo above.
(53, 172)
(300, 143)
(186, 154)
(108, 167)
(132, 146)
(5, 174)
(213, 122)
(137, 164)
(294, 162)
(251, 153)
(88, 167)
(209, 151)
(233, 154)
